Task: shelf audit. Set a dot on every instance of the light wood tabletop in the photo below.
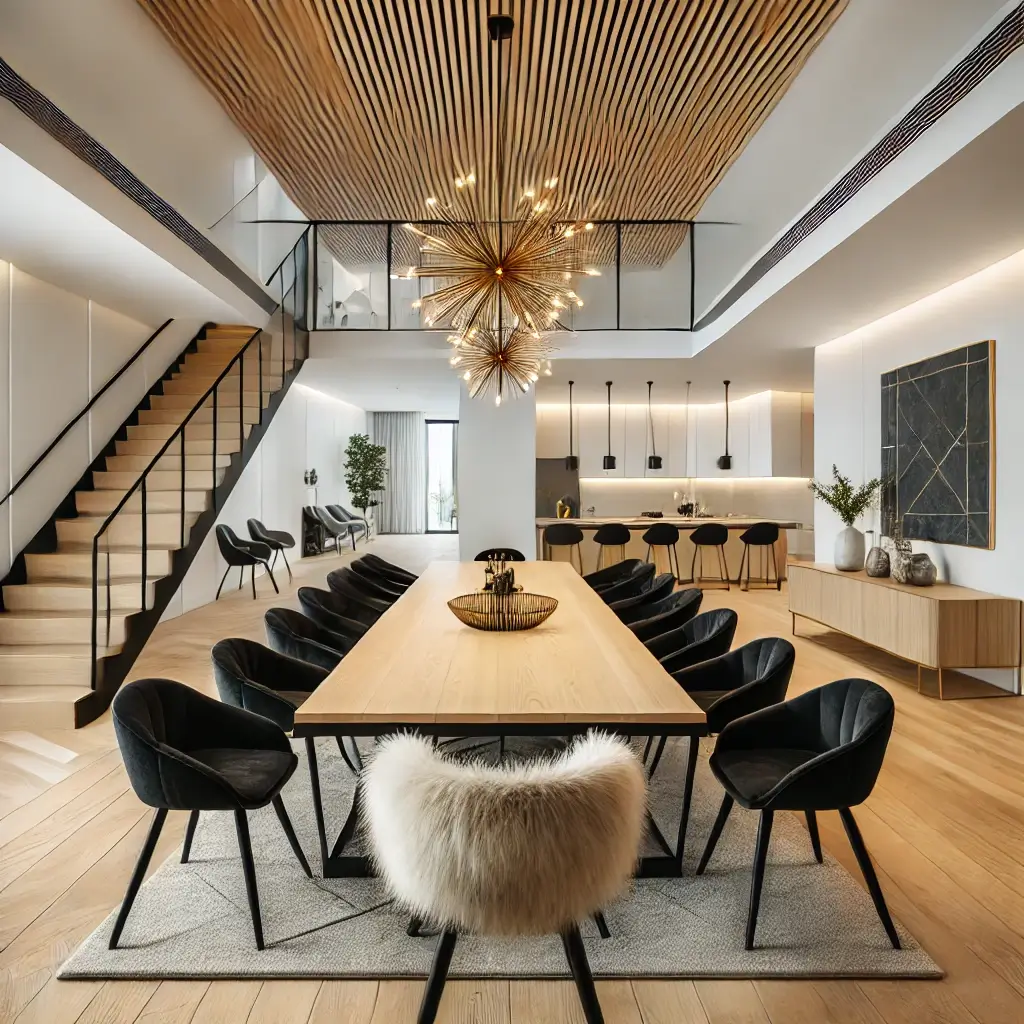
(419, 665)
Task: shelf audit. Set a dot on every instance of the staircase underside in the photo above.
(46, 625)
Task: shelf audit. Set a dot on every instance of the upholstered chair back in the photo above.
(524, 850)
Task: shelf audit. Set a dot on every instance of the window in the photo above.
(442, 508)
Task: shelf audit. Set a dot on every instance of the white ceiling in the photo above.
(52, 235)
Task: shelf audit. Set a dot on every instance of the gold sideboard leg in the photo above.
(918, 678)
(940, 684)
(793, 617)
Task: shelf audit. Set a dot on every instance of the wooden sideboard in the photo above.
(942, 626)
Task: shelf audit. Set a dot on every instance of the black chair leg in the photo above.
(657, 756)
(249, 871)
(190, 832)
(241, 576)
(270, 573)
(647, 748)
(725, 565)
(252, 580)
(764, 834)
(580, 967)
(775, 568)
(691, 771)
(222, 579)
(716, 831)
(436, 979)
(138, 874)
(293, 841)
(743, 558)
(344, 754)
(868, 871)
(318, 807)
(602, 925)
(693, 565)
(286, 565)
(413, 927)
(273, 561)
(812, 828)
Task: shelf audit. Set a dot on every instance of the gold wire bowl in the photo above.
(503, 613)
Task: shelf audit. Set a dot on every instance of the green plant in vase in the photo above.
(365, 468)
(849, 503)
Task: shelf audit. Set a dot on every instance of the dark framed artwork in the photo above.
(938, 447)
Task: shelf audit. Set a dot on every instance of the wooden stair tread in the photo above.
(70, 652)
(42, 694)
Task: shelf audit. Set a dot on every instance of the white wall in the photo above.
(497, 474)
(310, 430)
(847, 410)
(56, 351)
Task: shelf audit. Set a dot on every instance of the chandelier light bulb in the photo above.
(591, 272)
(497, 399)
(467, 375)
(431, 201)
(588, 226)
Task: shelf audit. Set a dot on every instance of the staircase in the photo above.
(46, 662)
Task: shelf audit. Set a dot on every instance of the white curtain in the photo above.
(403, 507)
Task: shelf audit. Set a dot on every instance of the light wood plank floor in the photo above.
(945, 826)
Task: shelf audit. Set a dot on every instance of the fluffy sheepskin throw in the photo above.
(521, 850)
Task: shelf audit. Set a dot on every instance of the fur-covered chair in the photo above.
(526, 850)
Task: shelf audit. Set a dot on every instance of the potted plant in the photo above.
(849, 503)
(365, 466)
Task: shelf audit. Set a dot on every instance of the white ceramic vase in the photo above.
(849, 550)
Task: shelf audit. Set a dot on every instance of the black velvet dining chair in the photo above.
(185, 751)
(371, 583)
(635, 583)
(499, 554)
(612, 574)
(388, 569)
(292, 633)
(660, 588)
(335, 613)
(820, 751)
(277, 540)
(735, 684)
(242, 554)
(347, 589)
(705, 636)
(268, 683)
(653, 620)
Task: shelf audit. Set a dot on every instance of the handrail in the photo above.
(92, 401)
(178, 435)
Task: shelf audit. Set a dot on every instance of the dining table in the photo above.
(420, 669)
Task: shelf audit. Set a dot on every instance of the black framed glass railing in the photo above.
(365, 277)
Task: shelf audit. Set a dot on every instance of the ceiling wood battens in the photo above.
(363, 108)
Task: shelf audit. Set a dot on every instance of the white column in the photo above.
(497, 474)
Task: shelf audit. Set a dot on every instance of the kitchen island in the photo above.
(636, 548)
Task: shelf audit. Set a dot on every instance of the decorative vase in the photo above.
(877, 563)
(922, 571)
(901, 555)
(849, 550)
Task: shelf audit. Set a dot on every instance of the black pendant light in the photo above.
(609, 459)
(572, 462)
(725, 461)
(654, 459)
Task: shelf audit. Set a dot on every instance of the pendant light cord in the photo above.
(608, 384)
(570, 418)
(650, 417)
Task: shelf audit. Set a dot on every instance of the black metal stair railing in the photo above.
(289, 281)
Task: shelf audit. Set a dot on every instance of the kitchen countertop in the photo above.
(643, 522)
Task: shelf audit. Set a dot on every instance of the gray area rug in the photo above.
(192, 920)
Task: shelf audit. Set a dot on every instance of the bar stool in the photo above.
(663, 535)
(611, 535)
(710, 535)
(564, 535)
(760, 535)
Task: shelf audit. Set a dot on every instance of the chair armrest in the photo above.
(780, 725)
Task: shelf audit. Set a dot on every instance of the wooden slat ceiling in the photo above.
(363, 108)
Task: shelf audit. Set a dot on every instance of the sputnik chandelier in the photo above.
(504, 277)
